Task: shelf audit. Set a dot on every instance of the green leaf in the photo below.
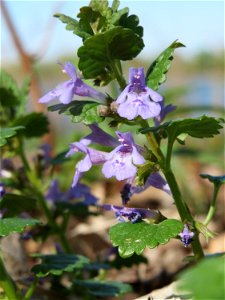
(80, 111)
(156, 73)
(73, 25)
(144, 171)
(204, 230)
(8, 98)
(217, 180)
(89, 115)
(15, 204)
(131, 22)
(116, 18)
(98, 52)
(134, 238)
(203, 127)
(11, 225)
(115, 5)
(36, 124)
(100, 6)
(9, 90)
(90, 21)
(7, 133)
(11, 95)
(58, 264)
(23, 94)
(206, 280)
(104, 288)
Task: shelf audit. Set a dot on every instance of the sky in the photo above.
(197, 24)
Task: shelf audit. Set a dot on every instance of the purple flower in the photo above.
(46, 150)
(132, 214)
(2, 189)
(75, 86)
(126, 193)
(54, 194)
(98, 136)
(155, 180)
(120, 162)
(165, 110)
(186, 236)
(80, 192)
(137, 99)
(92, 157)
(6, 168)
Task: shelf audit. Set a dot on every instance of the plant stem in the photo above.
(182, 207)
(58, 230)
(197, 247)
(180, 204)
(31, 289)
(22, 154)
(48, 213)
(36, 186)
(213, 205)
(116, 67)
(7, 283)
(153, 143)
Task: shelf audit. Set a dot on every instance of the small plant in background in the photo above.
(31, 196)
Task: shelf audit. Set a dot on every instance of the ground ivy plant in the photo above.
(109, 36)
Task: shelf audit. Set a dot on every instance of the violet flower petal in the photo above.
(138, 99)
(69, 69)
(75, 86)
(165, 110)
(186, 236)
(54, 192)
(155, 180)
(100, 137)
(121, 168)
(132, 214)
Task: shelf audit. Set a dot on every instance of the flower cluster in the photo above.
(125, 156)
(120, 162)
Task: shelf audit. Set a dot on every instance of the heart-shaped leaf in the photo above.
(134, 238)
(98, 52)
